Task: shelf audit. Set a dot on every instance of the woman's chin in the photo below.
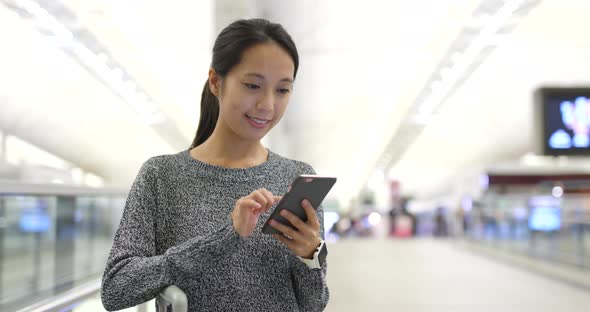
(257, 134)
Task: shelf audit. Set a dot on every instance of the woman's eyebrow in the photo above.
(262, 77)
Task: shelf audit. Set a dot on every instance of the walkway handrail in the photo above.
(66, 299)
(19, 188)
(171, 296)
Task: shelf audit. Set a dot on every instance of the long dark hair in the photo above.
(227, 52)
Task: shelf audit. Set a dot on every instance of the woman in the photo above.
(193, 219)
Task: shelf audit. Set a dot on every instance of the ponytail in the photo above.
(209, 115)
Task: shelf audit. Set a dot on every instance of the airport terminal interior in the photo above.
(458, 132)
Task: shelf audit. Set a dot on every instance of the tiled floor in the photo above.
(430, 275)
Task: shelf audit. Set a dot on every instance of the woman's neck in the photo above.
(230, 151)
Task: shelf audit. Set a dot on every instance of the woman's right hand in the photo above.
(249, 208)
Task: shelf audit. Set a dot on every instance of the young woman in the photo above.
(194, 219)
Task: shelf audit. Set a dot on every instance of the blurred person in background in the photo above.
(194, 219)
(440, 223)
(460, 223)
(402, 222)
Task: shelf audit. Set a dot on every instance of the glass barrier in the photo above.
(553, 228)
(53, 238)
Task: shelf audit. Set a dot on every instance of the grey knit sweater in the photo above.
(176, 229)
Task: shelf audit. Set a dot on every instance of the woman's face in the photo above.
(254, 95)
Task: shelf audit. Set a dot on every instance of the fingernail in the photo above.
(284, 213)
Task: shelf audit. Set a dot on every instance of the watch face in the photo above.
(323, 254)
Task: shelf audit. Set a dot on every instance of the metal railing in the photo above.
(171, 298)
(67, 299)
(8, 187)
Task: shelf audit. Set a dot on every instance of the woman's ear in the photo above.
(214, 82)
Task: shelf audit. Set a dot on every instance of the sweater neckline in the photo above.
(224, 173)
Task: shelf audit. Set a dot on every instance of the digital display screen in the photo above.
(566, 122)
(545, 214)
(35, 220)
(545, 219)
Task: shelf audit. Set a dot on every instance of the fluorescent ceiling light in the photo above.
(98, 63)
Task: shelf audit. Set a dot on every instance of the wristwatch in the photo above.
(319, 257)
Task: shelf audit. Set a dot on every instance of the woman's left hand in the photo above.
(306, 239)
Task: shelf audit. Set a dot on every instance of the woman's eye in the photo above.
(284, 91)
(252, 86)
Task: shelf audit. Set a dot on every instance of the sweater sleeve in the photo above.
(311, 289)
(134, 272)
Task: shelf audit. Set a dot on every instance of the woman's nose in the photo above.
(266, 102)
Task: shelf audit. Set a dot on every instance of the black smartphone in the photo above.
(311, 187)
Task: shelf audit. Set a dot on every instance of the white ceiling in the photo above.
(362, 67)
(490, 118)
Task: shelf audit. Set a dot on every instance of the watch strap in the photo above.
(319, 257)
